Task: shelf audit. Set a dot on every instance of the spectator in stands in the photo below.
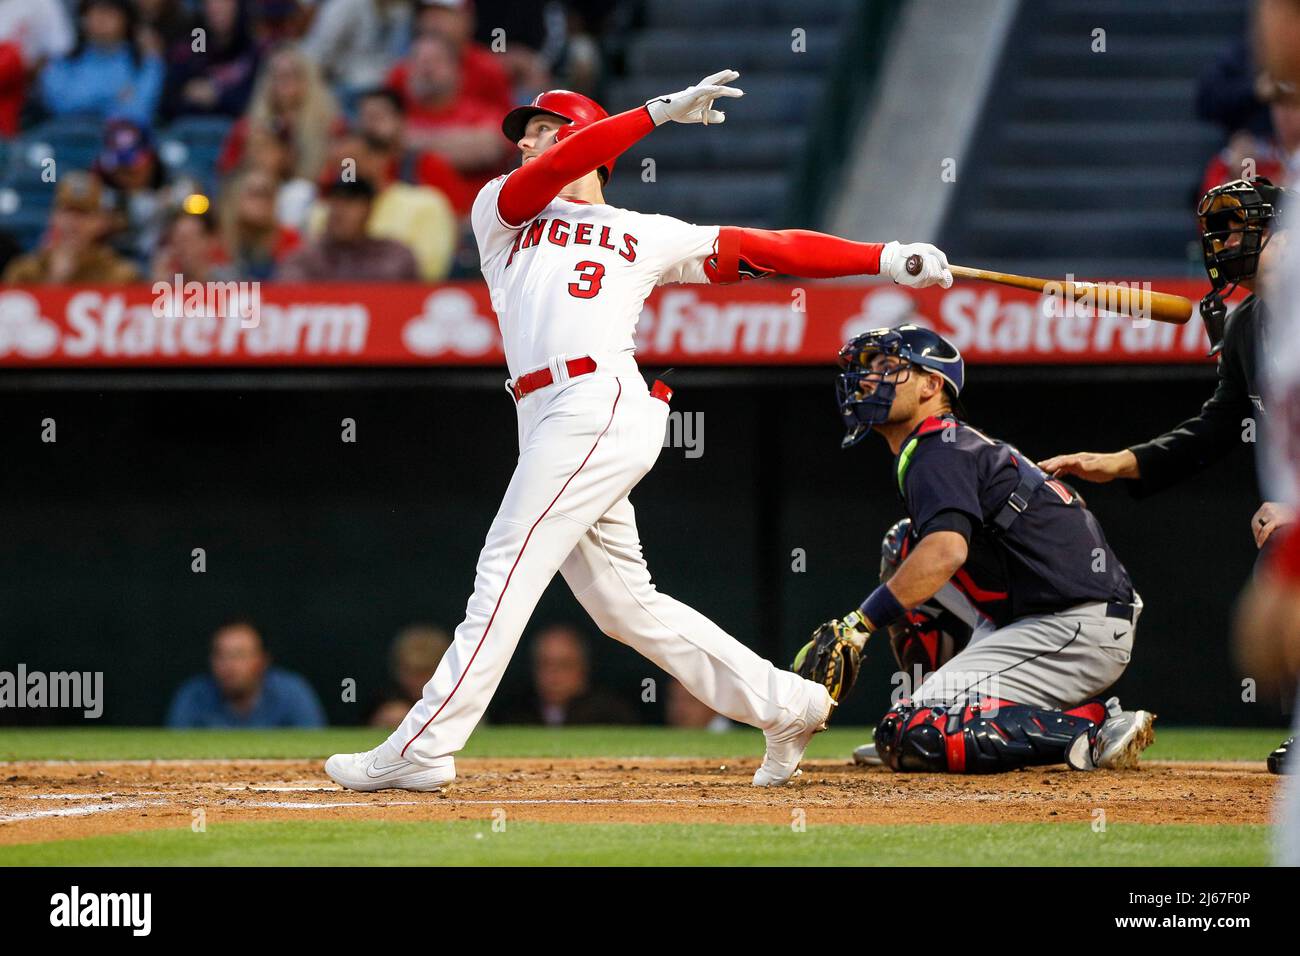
(74, 251)
(356, 40)
(440, 117)
(562, 692)
(244, 690)
(271, 147)
(163, 24)
(1286, 130)
(1248, 155)
(682, 709)
(254, 240)
(280, 21)
(32, 32)
(345, 253)
(414, 657)
(191, 247)
(290, 91)
(381, 122)
(140, 192)
(484, 75)
(107, 73)
(216, 79)
(536, 38)
(418, 217)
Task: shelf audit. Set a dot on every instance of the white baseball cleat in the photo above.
(1116, 744)
(785, 749)
(385, 769)
(867, 756)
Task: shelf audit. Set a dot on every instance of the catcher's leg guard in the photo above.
(988, 736)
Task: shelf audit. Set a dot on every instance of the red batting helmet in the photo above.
(573, 108)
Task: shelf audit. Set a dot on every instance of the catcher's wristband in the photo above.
(881, 608)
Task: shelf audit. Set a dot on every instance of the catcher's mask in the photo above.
(1235, 221)
(912, 346)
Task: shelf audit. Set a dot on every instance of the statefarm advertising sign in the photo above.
(753, 323)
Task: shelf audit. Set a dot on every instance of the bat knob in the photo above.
(913, 265)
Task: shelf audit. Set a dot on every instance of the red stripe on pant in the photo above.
(518, 557)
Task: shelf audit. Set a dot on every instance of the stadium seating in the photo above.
(189, 146)
(1090, 161)
(738, 172)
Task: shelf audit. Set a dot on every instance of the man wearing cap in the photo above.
(345, 252)
(74, 251)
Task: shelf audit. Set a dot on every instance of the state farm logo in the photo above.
(450, 322)
(682, 320)
(22, 327)
(883, 308)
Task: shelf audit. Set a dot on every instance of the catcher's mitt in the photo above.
(833, 657)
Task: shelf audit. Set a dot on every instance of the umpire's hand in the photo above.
(1093, 466)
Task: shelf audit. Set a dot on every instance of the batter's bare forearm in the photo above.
(929, 567)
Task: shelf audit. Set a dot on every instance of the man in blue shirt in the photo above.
(244, 690)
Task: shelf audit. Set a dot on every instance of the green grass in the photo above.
(129, 743)
(474, 843)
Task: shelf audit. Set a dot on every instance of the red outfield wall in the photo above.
(758, 323)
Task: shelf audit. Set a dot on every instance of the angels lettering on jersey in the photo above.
(573, 281)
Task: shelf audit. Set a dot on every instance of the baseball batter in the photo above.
(569, 275)
(1057, 609)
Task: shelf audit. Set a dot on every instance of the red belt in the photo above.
(532, 381)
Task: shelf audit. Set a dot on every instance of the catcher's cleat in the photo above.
(385, 769)
(785, 748)
(1116, 744)
(1277, 760)
(868, 756)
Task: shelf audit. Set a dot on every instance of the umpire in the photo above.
(1236, 222)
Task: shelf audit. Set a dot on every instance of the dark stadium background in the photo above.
(332, 547)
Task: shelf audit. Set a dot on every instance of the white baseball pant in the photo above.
(584, 444)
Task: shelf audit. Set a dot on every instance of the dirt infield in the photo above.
(52, 801)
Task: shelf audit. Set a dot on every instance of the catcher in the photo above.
(1024, 689)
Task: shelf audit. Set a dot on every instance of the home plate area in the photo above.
(44, 801)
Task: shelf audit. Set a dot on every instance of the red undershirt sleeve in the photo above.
(754, 253)
(530, 188)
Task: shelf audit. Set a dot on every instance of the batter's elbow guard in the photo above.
(732, 261)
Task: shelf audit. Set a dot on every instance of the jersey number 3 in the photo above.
(590, 275)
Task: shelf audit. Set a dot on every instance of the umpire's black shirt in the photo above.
(1218, 429)
(952, 477)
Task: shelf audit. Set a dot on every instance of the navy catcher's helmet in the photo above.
(913, 345)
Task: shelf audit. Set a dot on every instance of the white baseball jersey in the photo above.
(573, 280)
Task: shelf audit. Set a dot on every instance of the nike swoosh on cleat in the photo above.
(382, 770)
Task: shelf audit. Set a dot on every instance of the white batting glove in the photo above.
(933, 265)
(695, 104)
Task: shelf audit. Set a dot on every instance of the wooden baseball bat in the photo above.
(1123, 299)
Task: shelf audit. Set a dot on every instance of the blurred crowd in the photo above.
(243, 688)
(1259, 118)
(353, 134)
